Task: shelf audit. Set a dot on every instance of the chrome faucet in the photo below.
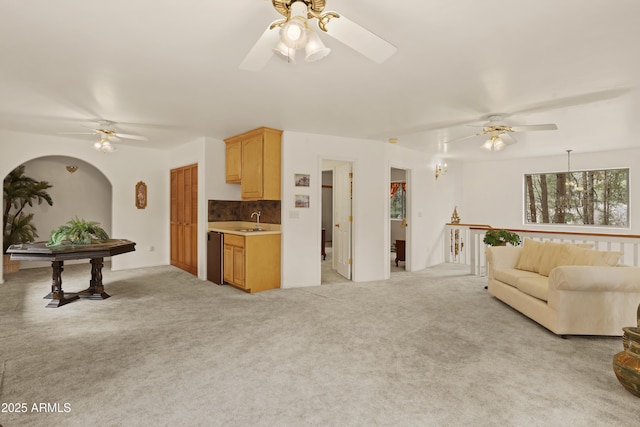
(257, 214)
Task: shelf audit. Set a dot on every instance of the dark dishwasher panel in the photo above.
(215, 241)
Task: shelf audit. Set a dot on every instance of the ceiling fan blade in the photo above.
(527, 128)
(507, 138)
(570, 101)
(126, 136)
(76, 133)
(262, 51)
(360, 39)
(464, 138)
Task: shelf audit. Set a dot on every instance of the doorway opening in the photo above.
(398, 209)
(336, 253)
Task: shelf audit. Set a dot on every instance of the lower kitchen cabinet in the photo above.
(252, 263)
(233, 264)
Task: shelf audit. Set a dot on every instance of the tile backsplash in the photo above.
(236, 210)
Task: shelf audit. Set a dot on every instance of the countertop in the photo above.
(234, 227)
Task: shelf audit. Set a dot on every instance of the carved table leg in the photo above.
(58, 298)
(96, 288)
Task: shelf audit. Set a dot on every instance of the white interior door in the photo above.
(342, 217)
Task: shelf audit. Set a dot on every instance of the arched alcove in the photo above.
(85, 193)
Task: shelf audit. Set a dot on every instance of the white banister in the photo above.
(464, 244)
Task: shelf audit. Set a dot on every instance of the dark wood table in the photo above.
(96, 252)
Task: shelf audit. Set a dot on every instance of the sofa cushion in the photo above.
(552, 255)
(572, 255)
(537, 287)
(511, 276)
(530, 255)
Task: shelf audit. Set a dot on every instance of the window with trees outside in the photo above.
(596, 197)
(398, 206)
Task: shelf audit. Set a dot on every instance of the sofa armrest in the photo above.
(595, 279)
(501, 257)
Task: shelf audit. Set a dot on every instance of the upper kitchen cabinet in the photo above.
(234, 160)
(258, 157)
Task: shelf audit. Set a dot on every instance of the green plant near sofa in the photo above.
(500, 237)
(77, 232)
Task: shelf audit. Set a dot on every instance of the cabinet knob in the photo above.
(338, 225)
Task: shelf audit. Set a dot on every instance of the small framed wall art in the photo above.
(302, 200)
(302, 179)
(141, 195)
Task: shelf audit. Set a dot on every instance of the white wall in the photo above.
(123, 168)
(430, 207)
(497, 199)
(216, 187)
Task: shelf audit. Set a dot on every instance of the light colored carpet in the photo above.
(429, 348)
(329, 275)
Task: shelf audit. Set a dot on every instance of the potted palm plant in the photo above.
(500, 237)
(19, 191)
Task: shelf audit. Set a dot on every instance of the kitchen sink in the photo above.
(247, 230)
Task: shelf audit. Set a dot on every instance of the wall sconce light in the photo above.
(72, 169)
(441, 169)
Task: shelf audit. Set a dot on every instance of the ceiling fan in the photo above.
(285, 36)
(499, 133)
(106, 131)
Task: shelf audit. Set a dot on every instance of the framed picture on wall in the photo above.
(302, 200)
(302, 179)
(141, 195)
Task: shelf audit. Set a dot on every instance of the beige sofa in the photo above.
(568, 289)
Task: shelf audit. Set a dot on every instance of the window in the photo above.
(597, 197)
(398, 204)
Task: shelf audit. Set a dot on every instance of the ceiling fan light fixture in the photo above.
(495, 143)
(286, 53)
(314, 48)
(294, 33)
(104, 145)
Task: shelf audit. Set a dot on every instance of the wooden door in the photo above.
(184, 218)
(342, 217)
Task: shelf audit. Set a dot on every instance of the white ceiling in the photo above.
(168, 70)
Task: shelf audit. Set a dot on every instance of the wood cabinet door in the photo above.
(238, 266)
(234, 260)
(227, 263)
(184, 218)
(233, 161)
(252, 185)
